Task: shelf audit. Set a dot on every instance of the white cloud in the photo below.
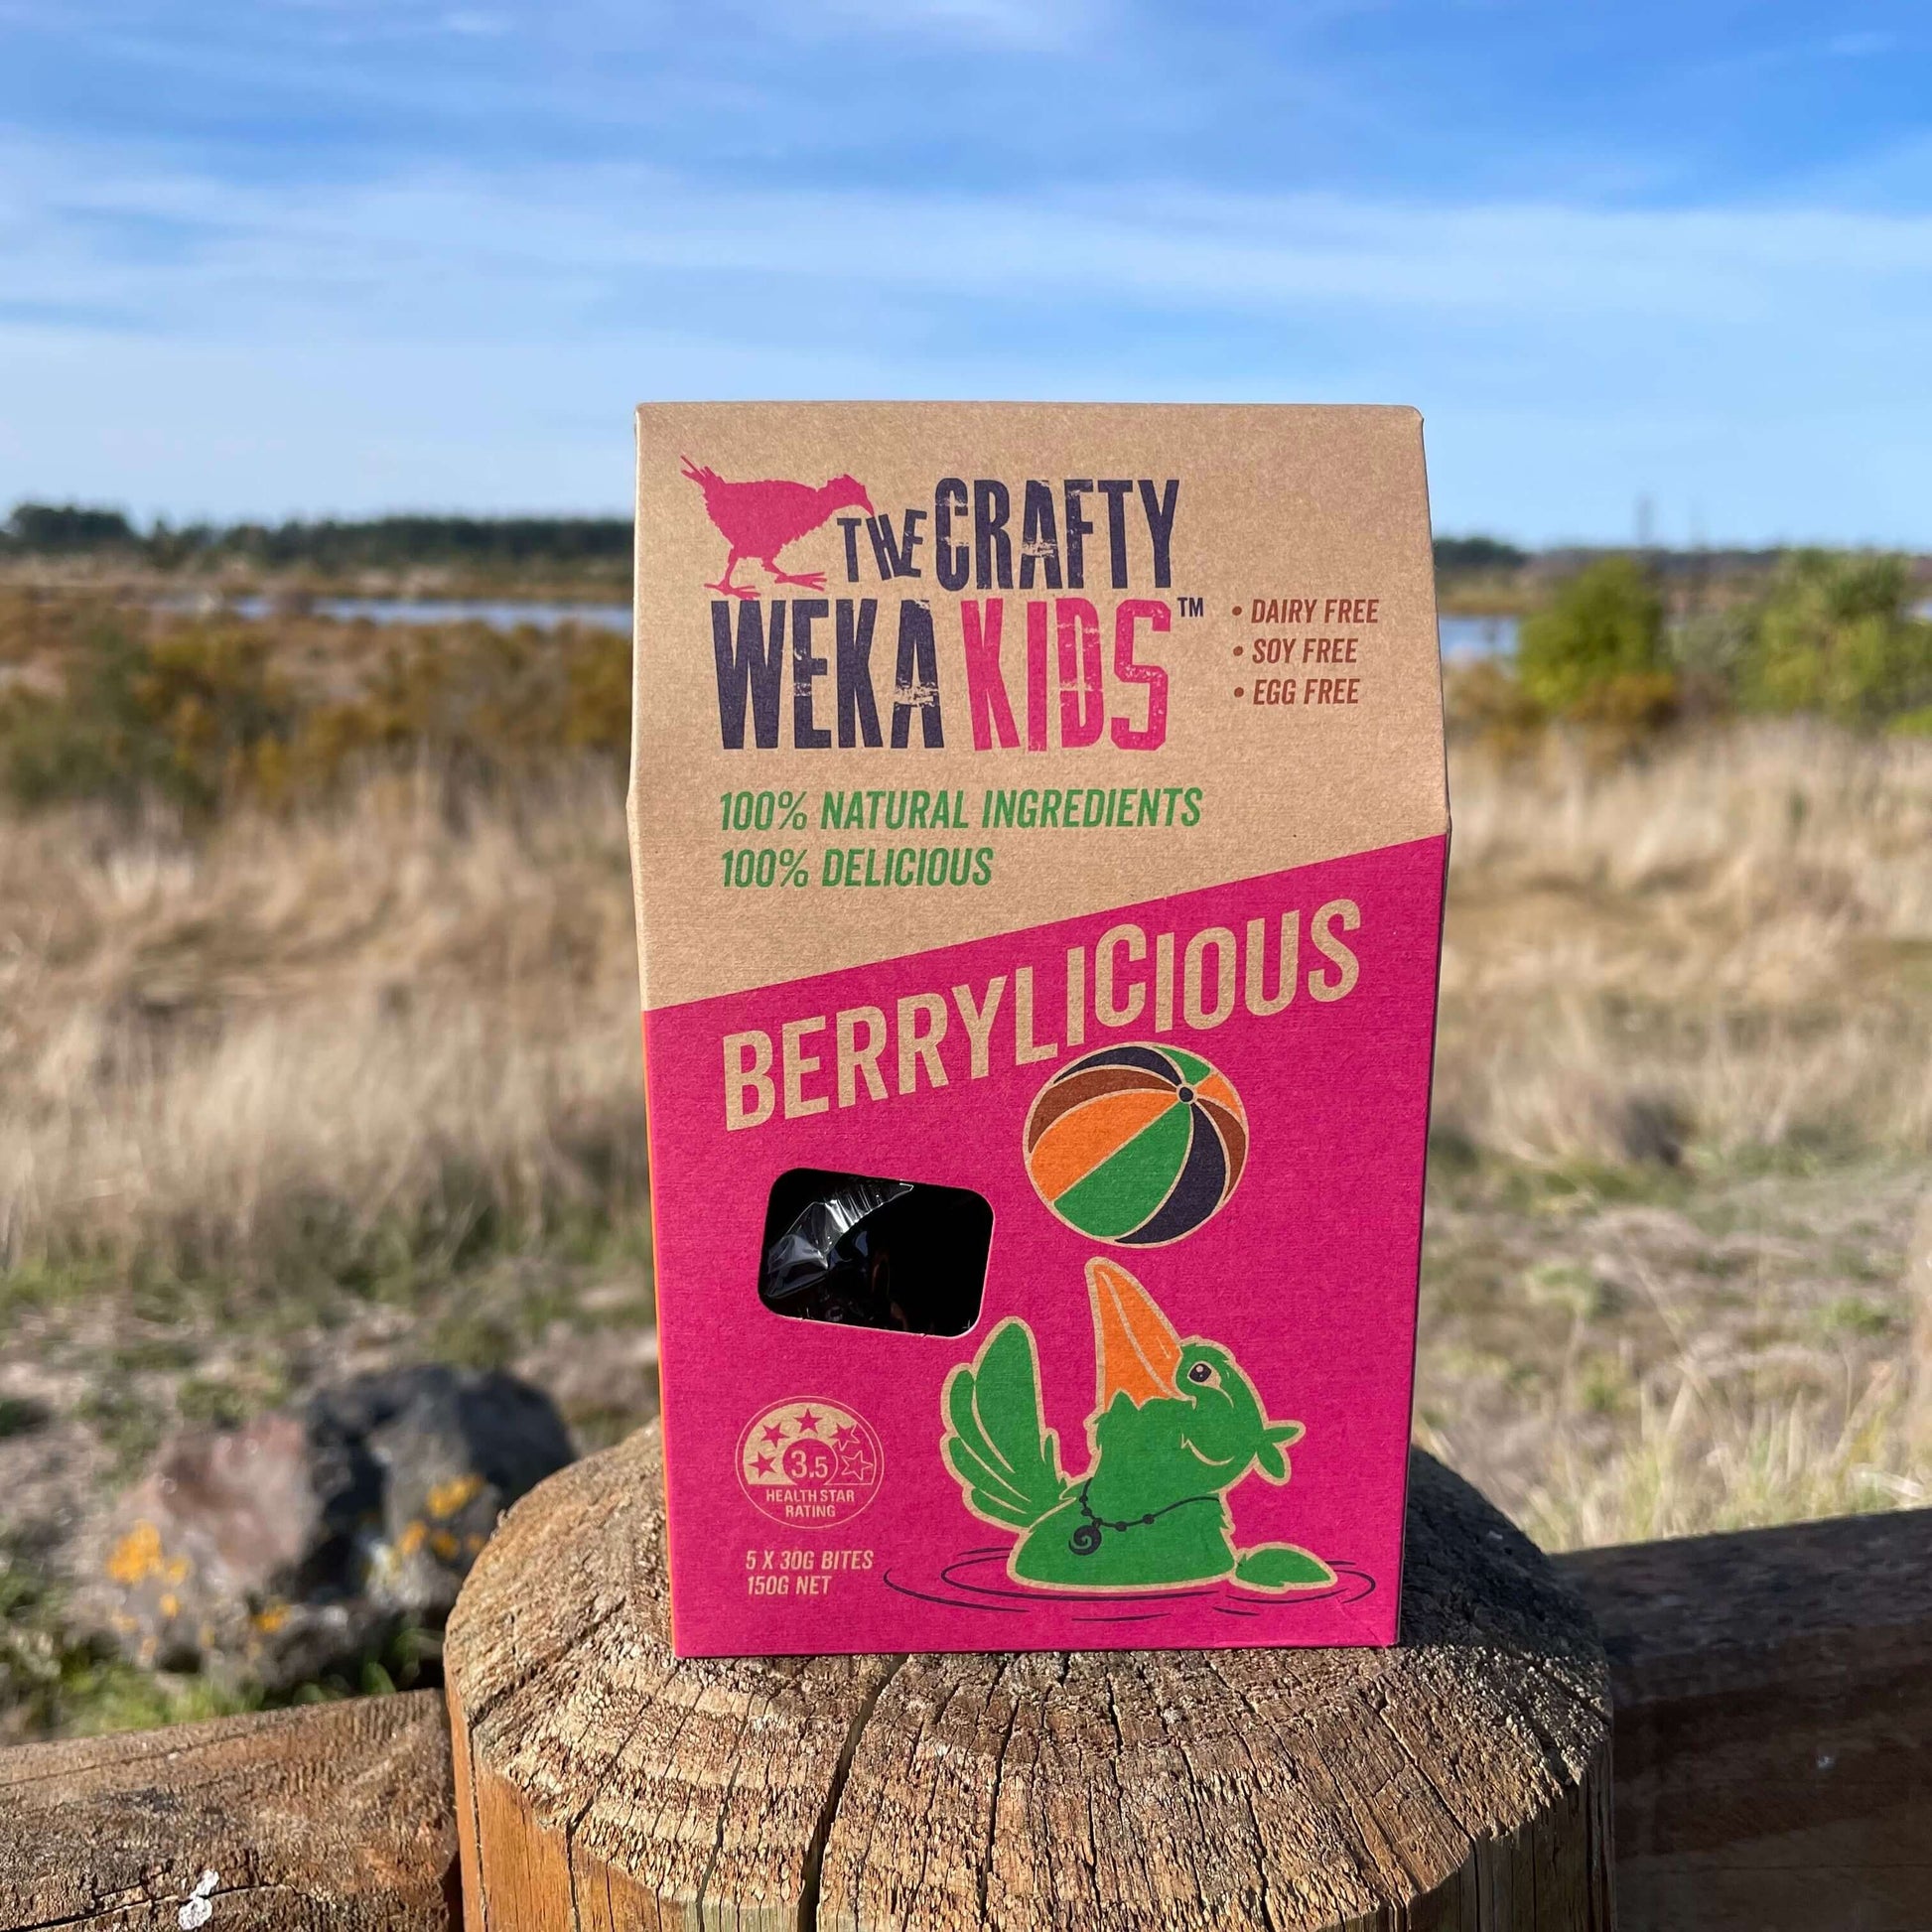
(412, 247)
(1857, 46)
(1014, 25)
(489, 331)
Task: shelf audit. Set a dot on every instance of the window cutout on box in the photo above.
(867, 1252)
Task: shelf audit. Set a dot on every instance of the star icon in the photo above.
(765, 1464)
(808, 1422)
(772, 1433)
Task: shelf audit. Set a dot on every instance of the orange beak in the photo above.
(1136, 1347)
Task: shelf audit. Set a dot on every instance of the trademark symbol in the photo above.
(1190, 606)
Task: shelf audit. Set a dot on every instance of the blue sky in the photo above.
(301, 257)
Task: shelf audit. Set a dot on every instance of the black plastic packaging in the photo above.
(868, 1253)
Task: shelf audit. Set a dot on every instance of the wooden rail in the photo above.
(1773, 1712)
(333, 1815)
(1773, 1726)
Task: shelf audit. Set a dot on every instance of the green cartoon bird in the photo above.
(1175, 1426)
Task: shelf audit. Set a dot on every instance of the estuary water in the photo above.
(500, 615)
(1466, 639)
(1463, 639)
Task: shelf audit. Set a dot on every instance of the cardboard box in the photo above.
(1044, 806)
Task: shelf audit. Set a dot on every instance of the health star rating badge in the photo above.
(809, 1464)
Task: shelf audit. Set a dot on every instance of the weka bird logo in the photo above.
(758, 519)
(1176, 1426)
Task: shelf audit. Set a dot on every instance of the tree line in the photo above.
(54, 530)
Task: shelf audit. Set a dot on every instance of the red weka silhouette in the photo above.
(758, 520)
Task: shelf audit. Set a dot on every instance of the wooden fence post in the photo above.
(1459, 1780)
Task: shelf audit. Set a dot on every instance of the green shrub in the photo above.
(1603, 628)
(481, 700)
(1485, 702)
(184, 717)
(1835, 633)
(1630, 703)
(111, 704)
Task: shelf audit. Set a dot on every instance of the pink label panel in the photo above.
(1182, 1418)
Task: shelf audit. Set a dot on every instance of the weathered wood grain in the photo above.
(1458, 1780)
(1773, 1696)
(337, 1816)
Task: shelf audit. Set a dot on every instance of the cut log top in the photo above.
(1461, 1778)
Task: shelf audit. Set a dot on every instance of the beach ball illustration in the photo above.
(1137, 1144)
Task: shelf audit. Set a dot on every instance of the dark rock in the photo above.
(1651, 1129)
(22, 1415)
(299, 1545)
(419, 1463)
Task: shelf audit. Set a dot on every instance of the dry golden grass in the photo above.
(1728, 942)
(391, 1019)
(1684, 1101)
